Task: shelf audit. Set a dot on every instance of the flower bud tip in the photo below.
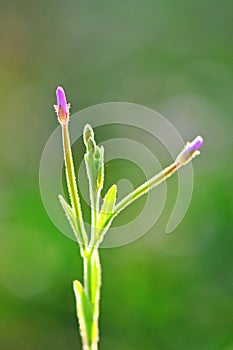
(190, 151)
(195, 144)
(87, 133)
(62, 107)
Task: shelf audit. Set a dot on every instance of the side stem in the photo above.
(145, 187)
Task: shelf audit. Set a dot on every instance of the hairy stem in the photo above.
(71, 184)
(145, 187)
(92, 284)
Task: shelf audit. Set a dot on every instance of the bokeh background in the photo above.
(163, 292)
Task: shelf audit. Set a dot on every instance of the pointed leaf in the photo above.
(70, 216)
(107, 207)
(84, 313)
(67, 208)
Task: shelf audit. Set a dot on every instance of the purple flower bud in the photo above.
(190, 151)
(195, 144)
(62, 107)
(61, 98)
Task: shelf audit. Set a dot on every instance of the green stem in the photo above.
(139, 192)
(72, 186)
(91, 347)
(145, 187)
(94, 217)
(92, 268)
(87, 275)
(92, 284)
(90, 261)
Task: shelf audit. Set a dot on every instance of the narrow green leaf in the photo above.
(84, 313)
(70, 214)
(67, 208)
(107, 207)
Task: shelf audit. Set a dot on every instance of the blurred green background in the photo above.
(163, 292)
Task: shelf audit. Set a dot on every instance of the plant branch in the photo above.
(72, 186)
(146, 187)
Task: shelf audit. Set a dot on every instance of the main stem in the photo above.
(91, 264)
(92, 283)
(92, 268)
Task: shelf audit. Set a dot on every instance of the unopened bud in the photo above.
(91, 145)
(97, 153)
(62, 107)
(190, 151)
(87, 133)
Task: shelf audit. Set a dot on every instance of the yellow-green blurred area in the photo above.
(162, 292)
